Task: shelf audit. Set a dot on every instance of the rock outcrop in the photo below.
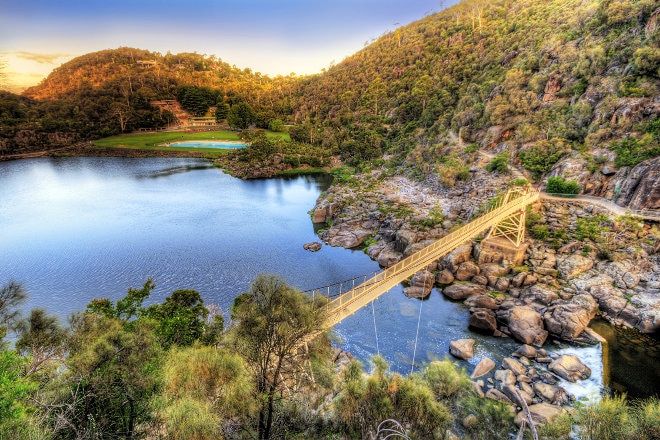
(570, 367)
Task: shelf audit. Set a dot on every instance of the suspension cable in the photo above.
(373, 313)
(419, 319)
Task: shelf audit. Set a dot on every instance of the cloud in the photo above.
(41, 58)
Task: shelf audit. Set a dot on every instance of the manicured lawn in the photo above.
(154, 141)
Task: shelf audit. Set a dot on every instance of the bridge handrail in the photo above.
(504, 207)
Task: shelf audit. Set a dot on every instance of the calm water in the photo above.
(209, 144)
(72, 229)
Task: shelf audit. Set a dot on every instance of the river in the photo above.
(74, 229)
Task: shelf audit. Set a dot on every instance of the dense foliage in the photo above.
(110, 374)
(540, 78)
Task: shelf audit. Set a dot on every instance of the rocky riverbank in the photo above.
(586, 263)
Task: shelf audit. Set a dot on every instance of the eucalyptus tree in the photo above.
(273, 323)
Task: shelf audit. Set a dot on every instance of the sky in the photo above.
(271, 37)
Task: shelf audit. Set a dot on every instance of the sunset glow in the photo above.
(275, 38)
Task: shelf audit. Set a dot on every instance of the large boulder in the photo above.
(514, 365)
(568, 319)
(570, 367)
(462, 291)
(445, 277)
(610, 299)
(493, 269)
(541, 413)
(574, 265)
(462, 348)
(420, 285)
(349, 238)
(540, 294)
(640, 188)
(551, 393)
(482, 302)
(483, 319)
(459, 255)
(526, 325)
(483, 367)
(466, 271)
(389, 257)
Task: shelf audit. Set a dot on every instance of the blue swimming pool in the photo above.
(209, 144)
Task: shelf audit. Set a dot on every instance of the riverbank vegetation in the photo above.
(174, 370)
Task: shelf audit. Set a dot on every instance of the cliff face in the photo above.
(639, 187)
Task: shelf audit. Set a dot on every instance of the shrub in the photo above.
(540, 232)
(591, 227)
(609, 419)
(557, 185)
(540, 158)
(500, 163)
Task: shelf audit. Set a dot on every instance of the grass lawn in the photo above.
(153, 141)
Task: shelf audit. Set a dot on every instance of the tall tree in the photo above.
(274, 321)
(241, 115)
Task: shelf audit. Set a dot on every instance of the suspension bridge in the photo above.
(505, 218)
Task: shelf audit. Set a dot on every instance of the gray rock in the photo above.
(462, 348)
(482, 302)
(570, 367)
(539, 294)
(483, 319)
(389, 257)
(498, 395)
(505, 377)
(483, 367)
(466, 271)
(573, 265)
(462, 291)
(493, 269)
(568, 319)
(445, 277)
(514, 365)
(421, 285)
(526, 350)
(313, 247)
(551, 393)
(541, 413)
(459, 255)
(526, 325)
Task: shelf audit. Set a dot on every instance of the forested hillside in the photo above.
(539, 79)
(110, 92)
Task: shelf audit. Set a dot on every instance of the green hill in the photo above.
(538, 80)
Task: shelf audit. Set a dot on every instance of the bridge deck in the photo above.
(351, 301)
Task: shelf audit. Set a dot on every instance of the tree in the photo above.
(111, 373)
(221, 111)
(274, 321)
(241, 115)
(14, 388)
(11, 296)
(180, 318)
(276, 125)
(205, 392)
(42, 337)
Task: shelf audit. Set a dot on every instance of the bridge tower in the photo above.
(505, 242)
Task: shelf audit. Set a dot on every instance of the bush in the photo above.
(591, 227)
(540, 232)
(500, 163)
(609, 419)
(540, 158)
(557, 185)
